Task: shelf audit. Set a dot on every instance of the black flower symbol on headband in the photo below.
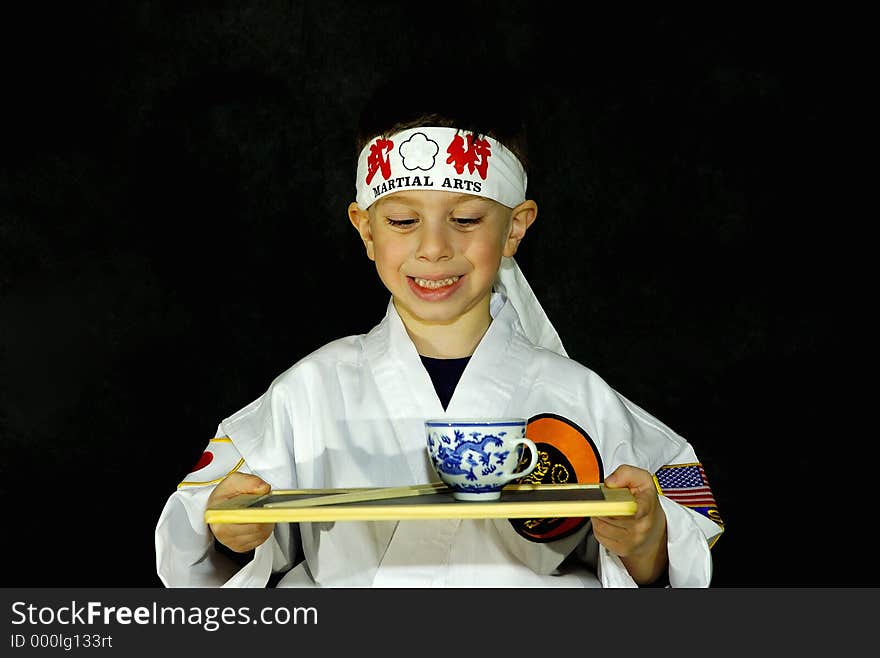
(419, 152)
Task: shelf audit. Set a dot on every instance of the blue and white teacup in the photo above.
(476, 457)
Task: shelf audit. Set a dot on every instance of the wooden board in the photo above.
(523, 501)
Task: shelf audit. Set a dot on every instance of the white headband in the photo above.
(442, 159)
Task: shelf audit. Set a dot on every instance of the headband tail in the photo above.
(537, 326)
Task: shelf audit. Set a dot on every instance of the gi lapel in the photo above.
(419, 552)
(406, 389)
(496, 370)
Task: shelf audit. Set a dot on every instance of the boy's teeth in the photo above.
(426, 283)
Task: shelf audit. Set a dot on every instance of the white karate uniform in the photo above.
(351, 414)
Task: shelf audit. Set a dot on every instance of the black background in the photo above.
(174, 184)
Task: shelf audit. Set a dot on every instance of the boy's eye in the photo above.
(466, 221)
(400, 223)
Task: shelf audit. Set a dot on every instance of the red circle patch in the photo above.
(206, 458)
(566, 454)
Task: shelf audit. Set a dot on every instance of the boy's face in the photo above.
(438, 252)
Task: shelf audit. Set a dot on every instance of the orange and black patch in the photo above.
(566, 454)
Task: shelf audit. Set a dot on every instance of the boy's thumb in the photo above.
(613, 480)
(623, 476)
(258, 485)
(246, 483)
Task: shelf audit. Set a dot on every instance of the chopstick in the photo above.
(362, 496)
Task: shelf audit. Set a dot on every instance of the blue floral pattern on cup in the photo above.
(477, 458)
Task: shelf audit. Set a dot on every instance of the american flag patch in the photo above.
(686, 484)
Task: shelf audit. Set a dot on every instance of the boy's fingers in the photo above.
(239, 535)
(254, 535)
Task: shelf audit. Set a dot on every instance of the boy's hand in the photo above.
(639, 540)
(240, 537)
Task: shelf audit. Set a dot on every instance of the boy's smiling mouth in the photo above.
(435, 290)
(434, 284)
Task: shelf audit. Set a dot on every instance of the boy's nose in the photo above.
(434, 244)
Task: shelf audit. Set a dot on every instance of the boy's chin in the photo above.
(430, 313)
(443, 312)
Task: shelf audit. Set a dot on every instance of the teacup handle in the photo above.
(533, 449)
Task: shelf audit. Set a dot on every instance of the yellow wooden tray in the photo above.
(518, 501)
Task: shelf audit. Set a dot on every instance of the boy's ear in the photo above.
(360, 219)
(521, 219)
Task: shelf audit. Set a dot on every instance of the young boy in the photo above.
(441, 209)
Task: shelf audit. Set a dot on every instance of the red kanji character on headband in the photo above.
(475, 157)
(378, 158)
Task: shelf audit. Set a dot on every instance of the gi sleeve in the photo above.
(691, 532)
(185, 553)
(692, 521)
